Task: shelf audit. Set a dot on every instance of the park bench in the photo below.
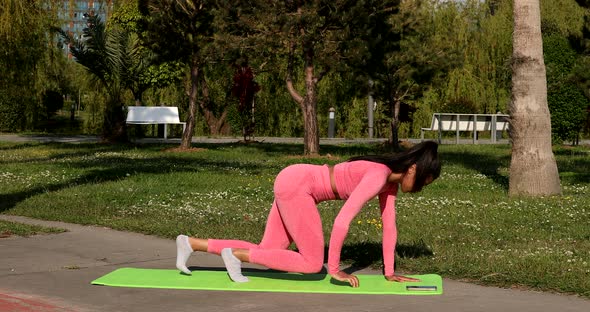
(495, 123)
(154, 115)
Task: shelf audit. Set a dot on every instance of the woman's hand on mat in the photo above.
(344, 277)
(400, 278)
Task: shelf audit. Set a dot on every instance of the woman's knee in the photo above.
(314, 266)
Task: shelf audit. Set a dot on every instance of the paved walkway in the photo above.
(53, 273)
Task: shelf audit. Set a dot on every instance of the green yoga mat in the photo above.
(267, 281)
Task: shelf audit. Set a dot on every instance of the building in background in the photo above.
(74, 14)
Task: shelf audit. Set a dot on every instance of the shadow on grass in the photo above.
(17, 146)
(483, 162)
(295, 149)
(70, 150)
(574, 165)
(117, 168)
(99, 168)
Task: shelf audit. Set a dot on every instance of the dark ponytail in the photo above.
(424, 155)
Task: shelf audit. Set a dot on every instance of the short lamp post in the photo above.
(331, 122)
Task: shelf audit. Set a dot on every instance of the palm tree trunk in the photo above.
(114, 129)
(533, 170)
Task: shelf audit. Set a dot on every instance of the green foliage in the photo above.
(562, 17)
(162, 75)
(191, 25)
(56, 77)
(339, 91)
(566, 100)
(23, 49)
(421, 119)
(354, 124)
(481, 83)
(450, 56)
(188, 24)
(12, 110)
(568, 106)
(461, 105)
(560, 58)
(110, 56)
(127, 15)
(144, 72)
(279, 117)
(12, 228)
(94, 107)
(314, 39)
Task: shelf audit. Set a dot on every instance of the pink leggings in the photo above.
(294, 217)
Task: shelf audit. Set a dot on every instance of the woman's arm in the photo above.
(369, 186)
(389, 239)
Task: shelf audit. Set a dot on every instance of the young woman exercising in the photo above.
(294, 215)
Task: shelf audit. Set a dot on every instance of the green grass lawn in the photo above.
(8, 229)
(463, 226)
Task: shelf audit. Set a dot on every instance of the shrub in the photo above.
(568, 111)
(12, 110)
(567, 102)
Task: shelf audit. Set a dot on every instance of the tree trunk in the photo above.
(187, 135)
(308, 104)
(311, 140)
(394, 135)
(114, 127)
(216, 125)
(533, 170)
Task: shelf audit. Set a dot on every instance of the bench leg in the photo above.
(165, 132)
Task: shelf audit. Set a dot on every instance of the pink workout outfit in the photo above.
(294, 216)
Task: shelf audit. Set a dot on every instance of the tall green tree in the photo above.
(408, 59)
(581, 73)
(23, 47)
(482, 33)
(533, 170)
(565, 75)
(143, 70)
(316, 37)
(108, 56)
(183, 30)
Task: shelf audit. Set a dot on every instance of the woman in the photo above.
(294, 216)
